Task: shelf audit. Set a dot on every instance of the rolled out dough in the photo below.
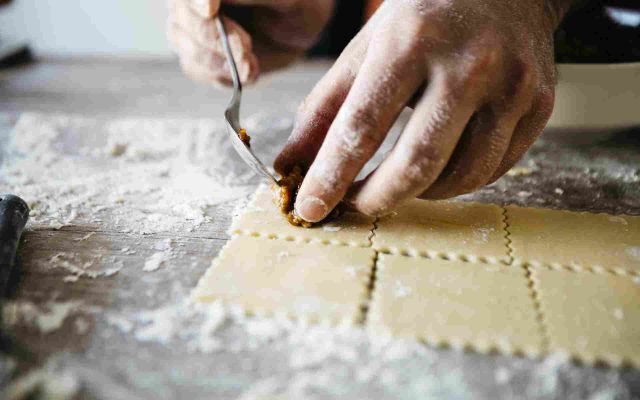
(302, 280)
(579, 240)
(262, 218)
(448, 229)
(450, 278)
(464, 305)
(591, 316)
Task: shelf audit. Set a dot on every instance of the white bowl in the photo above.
(596, 98)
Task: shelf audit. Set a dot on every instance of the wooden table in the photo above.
(113, 364)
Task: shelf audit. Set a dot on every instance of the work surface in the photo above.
(124, 333)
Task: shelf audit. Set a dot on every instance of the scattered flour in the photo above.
(162, 177)
(524, 194)
(45, 320)
(78, 268)
(156, 261)
(519, 171)
(282, 256)
(502, 375)
(308, 361)
(401, 290)
(131, 175)
(85, 237)
(352, 271)
(121, 323)
(481, 235)
(48, 382)
(633, 252)
(618, 313)
(618, 220)
(82, 326)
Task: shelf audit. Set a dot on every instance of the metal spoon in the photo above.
(232, 113)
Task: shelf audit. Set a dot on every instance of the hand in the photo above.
(281, 30)
(483, 74)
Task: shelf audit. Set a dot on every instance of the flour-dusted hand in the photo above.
(281, 30)
(483, 75)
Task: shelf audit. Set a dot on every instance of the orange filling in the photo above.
(244, 136)
(287, 190)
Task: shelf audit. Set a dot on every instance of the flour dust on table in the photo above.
(130, 175)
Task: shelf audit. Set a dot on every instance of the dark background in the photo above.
(588, 34)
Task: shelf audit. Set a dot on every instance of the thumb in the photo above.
(205, 8)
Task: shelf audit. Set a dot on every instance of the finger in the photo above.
(378, 95)
(527, 130)
(195, 37)
(189, 49)
(192, 52)
(423, 149)
(205, 31)
(485, 141)
(318, 110)
(478, 153)
(204, 8)
(199, 73)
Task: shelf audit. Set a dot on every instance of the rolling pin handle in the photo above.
(14, 214)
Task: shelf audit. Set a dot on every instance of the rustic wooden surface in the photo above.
(108, 88)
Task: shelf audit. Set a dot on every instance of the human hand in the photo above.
(266, 35)
(483, 73)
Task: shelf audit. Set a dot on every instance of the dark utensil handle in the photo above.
(14, 214)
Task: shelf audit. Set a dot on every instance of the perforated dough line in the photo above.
(375, 275)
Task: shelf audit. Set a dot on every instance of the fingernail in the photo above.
(311, 209)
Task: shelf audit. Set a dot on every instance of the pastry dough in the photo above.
(450, 279)
(577, 240)
(594, 317)
(456, 230)
(481, 306)
(302, 280)
(262, 218)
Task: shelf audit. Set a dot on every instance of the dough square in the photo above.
(262, 218)
(445, 229)
(578, 240)
(303, 280)
(594, 317)
(479, 306)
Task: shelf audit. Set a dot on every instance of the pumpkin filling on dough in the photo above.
(286, 192)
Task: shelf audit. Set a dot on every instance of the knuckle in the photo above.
(191, 72)
(212, 61)
(376, 209)
(203, 29)
(360, 130)
(422, 166)
(454, 85)
(474, 181)
(521, 80)
(363, 119)
(351, 64)
(317, 117)
(545, 102)
(484, 60)
(302, 108)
